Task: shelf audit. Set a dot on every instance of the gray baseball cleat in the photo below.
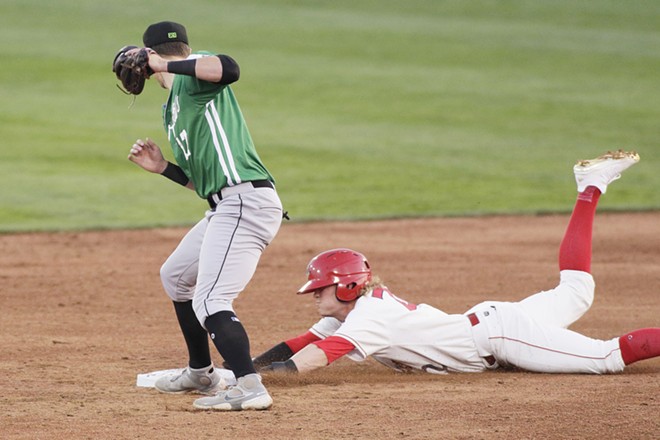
(189, 380)
(603, 170)
(248, 393)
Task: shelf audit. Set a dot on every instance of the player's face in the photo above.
(328, 304)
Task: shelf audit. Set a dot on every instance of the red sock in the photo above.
(640, 344)
(575, 249)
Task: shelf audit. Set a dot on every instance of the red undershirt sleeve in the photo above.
(334, 347)
(299, 342)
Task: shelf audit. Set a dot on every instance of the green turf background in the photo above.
(361, 109)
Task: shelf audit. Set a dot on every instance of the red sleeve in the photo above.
(299, 342)
(334, 347)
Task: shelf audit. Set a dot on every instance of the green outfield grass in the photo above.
(361, 109)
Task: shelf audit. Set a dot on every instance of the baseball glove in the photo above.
(132, 69)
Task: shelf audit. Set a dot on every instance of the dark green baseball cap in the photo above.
(164, 32)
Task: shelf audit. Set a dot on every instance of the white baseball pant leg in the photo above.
(532, 335)
(218, 257)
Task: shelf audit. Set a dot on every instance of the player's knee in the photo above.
(581, 286)
(584, 296)
(205, 306)
(168, 281)
(173, 285)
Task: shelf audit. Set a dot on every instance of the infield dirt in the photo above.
(84, 313)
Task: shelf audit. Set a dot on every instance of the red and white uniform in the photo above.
(530, 334)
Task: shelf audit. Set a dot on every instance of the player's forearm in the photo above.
(279, 353)
(220, 69)
(310, 358)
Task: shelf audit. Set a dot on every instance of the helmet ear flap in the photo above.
(346, 293)
(349, 288)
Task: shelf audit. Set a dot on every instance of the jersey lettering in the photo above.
(182, 138)
(182, 142)
(378, 293)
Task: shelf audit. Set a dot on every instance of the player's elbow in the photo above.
(230, 70)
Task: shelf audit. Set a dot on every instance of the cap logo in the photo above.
(171, 35)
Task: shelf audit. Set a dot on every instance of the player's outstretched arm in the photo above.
(308, 359)
(315, 355)
(284, 350)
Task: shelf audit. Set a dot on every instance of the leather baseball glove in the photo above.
(131, 65)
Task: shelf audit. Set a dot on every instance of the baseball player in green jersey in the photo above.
(216, 259)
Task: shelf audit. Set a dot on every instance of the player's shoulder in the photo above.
(375, 298)
(381, 293)
(377, 290)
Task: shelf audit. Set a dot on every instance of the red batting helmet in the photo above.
(345, 268)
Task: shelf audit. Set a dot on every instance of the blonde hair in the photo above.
(371, 285)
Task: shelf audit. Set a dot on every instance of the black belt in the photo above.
(474, 320)
(254, 183)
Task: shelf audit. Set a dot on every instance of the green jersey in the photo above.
(209, 137)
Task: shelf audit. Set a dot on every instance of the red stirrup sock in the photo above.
(575, 249)
(639, 345)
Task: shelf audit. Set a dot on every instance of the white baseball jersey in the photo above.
(405, 336)
(531, 334)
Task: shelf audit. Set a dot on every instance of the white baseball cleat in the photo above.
(248, 393)
(189, 380)
(603, 170)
